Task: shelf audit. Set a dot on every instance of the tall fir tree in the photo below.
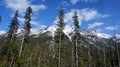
(76, 36)
(59, 34)
(13, 27)
(27, 28)
(11, 45)
(116, 45)
(27, 22)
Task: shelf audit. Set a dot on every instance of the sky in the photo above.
(100, 15)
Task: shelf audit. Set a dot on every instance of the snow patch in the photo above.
(68, 30)
(2, 32)
(102, 35)
(52, 29)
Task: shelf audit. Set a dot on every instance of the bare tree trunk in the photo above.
(72, 64)
(44, 54)
(21, 48)
(104, 56)
(89, 54)
(113, 62)
(118, 55)
(38, 64)
(59, 50)
(76, 53)
(11, 63)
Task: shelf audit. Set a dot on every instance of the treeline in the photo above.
(57, 51)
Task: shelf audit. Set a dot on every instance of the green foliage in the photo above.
(27, 25)
(27, 20)
(60, 22)
(76, 20)
(7, 52)
(13, 28)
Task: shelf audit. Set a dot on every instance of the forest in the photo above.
(59, 51)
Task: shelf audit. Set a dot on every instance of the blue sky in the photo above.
(99, 15)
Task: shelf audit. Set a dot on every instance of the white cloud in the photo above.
(37, 24)
(89, 0)
(89, 14)
(41, 26)
(74, 1)
(90, 26)
(38, 7)
(65, 3)
(111, 28)
(32, 22)
(21, 5)
(99, 30)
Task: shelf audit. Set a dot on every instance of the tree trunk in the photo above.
(21, 48)
(72, 63)
(11, 63)
(59, 50)
(89, 54)
(76, 54)
(115, 41)
(118, 56)
(104, 57)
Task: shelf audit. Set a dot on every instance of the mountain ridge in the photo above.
(68, 30)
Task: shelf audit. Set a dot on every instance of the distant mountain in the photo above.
(89, 34)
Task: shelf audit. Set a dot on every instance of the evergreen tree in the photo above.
(76, 36)
(27, 22)
(27, 27)
(11, 44)
(10, 47)
(117, 47)
(59, 34)
(13, 27)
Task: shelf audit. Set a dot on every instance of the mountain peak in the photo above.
(67, 30)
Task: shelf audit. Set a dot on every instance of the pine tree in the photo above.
(27, 22)
(117, 47)
(10, 45)
(27, 27)
(59, 34)
(75, 47)
(13, 27)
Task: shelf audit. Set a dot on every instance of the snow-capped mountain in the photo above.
(68, 30)
(98, 40)
(2, 32)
